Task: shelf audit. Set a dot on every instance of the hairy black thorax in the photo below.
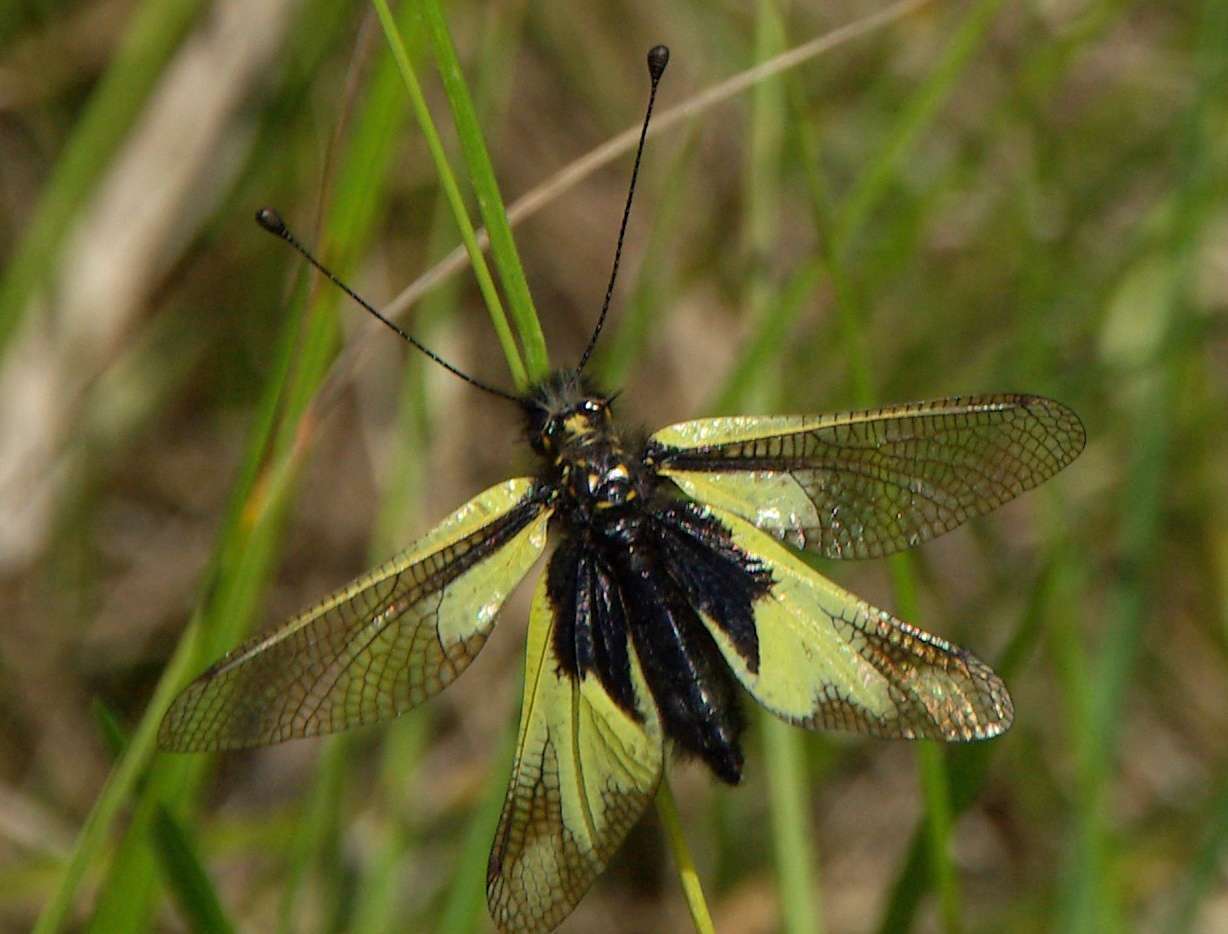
(639, 569)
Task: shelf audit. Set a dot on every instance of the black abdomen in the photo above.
(643, 579)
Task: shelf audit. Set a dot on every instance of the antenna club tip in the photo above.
(658, 58)
(271, 221)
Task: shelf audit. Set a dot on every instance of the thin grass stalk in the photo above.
(460, 912)
(486, 188)
(186, 877)
(767, 342)
(314, 833)
(482, 177)
(692, 889)
(447, 180)
(548, 191)
(883, 170)
(761, 186)
(792, 840)
(932, 769)
(376, 903)
(784, 759)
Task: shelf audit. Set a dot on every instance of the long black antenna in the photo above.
(271, 221)
(658, 58)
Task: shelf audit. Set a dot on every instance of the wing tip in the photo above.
(1072, 433)
(991, 710)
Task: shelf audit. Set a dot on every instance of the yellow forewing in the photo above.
(585, 771)
(829, 659)
(374, 649)
(866, 484)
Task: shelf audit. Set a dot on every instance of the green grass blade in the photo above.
(447, 181)
(784, 759)
(486, 188)
(377, 907)
(186, 877)
(932, 769)
(936, 794)
(109, 728)
(788, 787)
(762, 186)
(377, 903)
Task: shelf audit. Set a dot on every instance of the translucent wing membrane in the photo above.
(378, 647)
(866, 484)
(828, 659)
(585, 771)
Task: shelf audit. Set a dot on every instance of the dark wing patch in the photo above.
(718, 579)
(866, 484)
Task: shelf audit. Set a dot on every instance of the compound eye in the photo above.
(592, 406)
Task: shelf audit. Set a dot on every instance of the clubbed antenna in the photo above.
(658, 58)
(271, 221)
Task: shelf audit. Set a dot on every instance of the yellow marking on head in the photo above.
(578, 424)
